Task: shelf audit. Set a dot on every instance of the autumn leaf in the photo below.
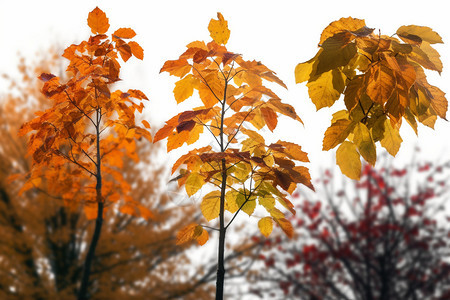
(326, 89)
(184, 88)
(193, 183)
(337, 133)
(265, 226)
(136, 50)
(348, 160)
(219, 29)
(286, 226)
(381, 84)
(188, 233)
(210, 205)
(423, 32)
(363, 140)
(343, 24)
(124, 33)
(391, 140)
(97, 21)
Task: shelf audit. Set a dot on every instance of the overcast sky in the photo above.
(278, 33)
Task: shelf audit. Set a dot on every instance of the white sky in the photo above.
(278, 33)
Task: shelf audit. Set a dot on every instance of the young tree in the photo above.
(82, 140)
(241, 173)
(384, 237)
(383, 81)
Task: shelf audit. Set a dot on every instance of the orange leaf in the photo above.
(163, 133)
(97, 21)
(337, 133)
(146, 124)
(125, 51)
(381, 83)
(177, 68)
(286, 226)
(188, 233)
(124, 33)
(203, 238)
(270, 117)
(136, 49)
(176, 140)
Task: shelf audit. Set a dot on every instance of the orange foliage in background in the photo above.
(43, 241)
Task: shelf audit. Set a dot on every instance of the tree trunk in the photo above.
(222, 231)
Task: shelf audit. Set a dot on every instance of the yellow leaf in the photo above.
(342, 24)
(267, 201)
(269, 160)
(188, 233)
(276, 213)
(392, 139)
(230, 201)
(363, 140)
(265, 226)
(218, 29)
(438, 101)
(193, 183)
(184, 88)
(97, 21)
(432, 55)
(303, 71)
(194, 134)
(348, 160)
(421, 57)
(248, 207)
(337, 52)
(424, 33)
(242, 170)
(326, 88)
(257, 119)
(337, 133)
(256, 137)
(210, 205)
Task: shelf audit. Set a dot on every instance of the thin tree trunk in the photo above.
(83, 295)
(222, 231)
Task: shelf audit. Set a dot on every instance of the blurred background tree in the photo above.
(43, 242)
(384, 237)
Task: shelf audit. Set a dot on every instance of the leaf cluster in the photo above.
(383, 81)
